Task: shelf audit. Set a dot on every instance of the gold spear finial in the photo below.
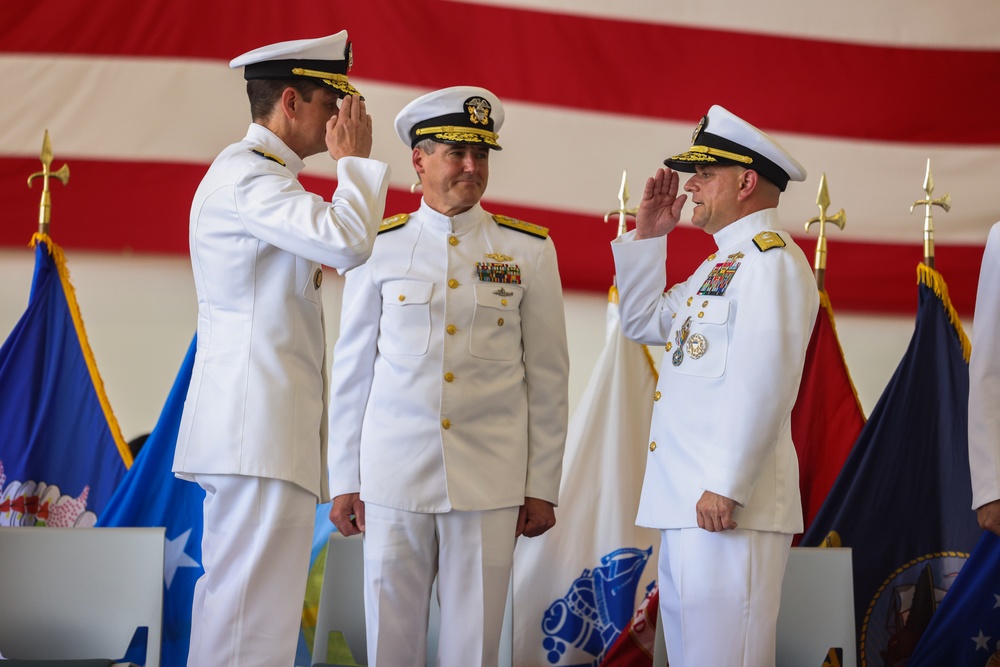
(45, 207)
(840, 219)
(622, 213)
(928, 203)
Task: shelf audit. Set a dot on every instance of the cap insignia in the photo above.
(702, 124)
(479, 110)
(767, 240)
(349, 56)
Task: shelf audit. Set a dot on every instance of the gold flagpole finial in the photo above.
(928, 202)
(622, 213)
(840, 219)
(45, 207)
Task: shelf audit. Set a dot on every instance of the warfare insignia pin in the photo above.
(503, 292)
(498, 257)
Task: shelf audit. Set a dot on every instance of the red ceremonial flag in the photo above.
(827, 417)
(634, 646)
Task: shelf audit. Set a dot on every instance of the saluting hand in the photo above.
(660, 208)
(348, 514)
(715, 512)
(349, 133)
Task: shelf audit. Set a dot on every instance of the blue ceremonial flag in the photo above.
(902, 500)
(965, 630)
(150, 495)
(61, 451)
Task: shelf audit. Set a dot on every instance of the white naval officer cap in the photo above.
(456, 115)
(724, 138)
(326, 60)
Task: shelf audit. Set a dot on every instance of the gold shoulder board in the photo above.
(521, 226)
(767, 240)
(269, 156)
(393, 222)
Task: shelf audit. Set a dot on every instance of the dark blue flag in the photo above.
(965, 630)
(902, 500)
(150, 495)
(62, 454)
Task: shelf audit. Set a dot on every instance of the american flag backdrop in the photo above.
(137, 96)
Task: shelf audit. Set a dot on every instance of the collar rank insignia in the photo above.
(270, 156)
(521, 226)
(498, 257)
(767, 240)
(718, 278)
(393, 222)
(499, 273)
(503, 292)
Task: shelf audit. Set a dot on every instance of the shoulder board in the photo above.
(393, 222)
(269, 156)
(521, 226)
(767, 240)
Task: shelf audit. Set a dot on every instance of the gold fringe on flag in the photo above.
(60, 260)
(613, 298)
(824, 303)
(931, 278)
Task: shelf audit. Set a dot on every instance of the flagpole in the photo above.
(622, 213)
(928, 203)
(840, 219)
(45, 207)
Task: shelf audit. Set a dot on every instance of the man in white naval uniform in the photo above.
(449, 388)
(253, 432)
(984, 390)
(721, 476)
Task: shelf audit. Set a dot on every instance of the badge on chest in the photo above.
(719, 277)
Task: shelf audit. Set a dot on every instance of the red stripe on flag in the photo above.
(144, 208)
(624, 67)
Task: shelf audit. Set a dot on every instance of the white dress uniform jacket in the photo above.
(257, 400)
(984, 380)
(736, 334)
(449, 390)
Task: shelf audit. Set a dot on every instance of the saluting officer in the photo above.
(253, 431)
(721, 476)
(984, 390)
(449, 394)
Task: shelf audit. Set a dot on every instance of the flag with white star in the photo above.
(903, 499)
(150, 495)
(965, 629)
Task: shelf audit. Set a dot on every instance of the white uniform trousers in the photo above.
(719, 596)
(470, 552)
(248, 604)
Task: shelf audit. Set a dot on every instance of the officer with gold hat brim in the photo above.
(450, 381)
(327, 60)
(282, 80)
(252, 434)
(721, 478)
